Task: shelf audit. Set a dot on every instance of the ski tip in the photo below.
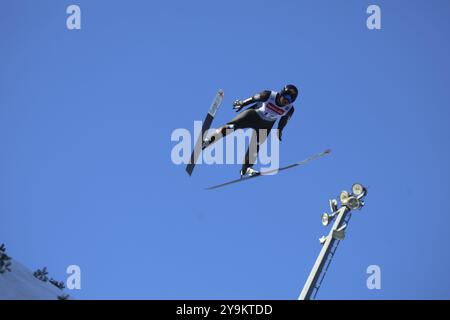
(327, 151)
(221, 93)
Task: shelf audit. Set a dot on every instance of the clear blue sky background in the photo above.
(86, 117)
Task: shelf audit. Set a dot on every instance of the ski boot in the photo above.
(206, 142)
(250, 172)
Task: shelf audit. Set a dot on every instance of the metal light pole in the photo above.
(349, 201)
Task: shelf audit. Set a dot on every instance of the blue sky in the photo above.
(85, 124)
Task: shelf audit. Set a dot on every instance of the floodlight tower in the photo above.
(349, 201)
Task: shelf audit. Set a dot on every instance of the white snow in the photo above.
(20, 284)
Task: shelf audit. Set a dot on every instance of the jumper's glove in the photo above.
(238, 105)
(279, 134)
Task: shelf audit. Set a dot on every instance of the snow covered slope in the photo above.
(20, 284)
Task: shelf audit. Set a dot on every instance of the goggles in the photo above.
(287, 96)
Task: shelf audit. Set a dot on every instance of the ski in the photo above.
(303, 162)
(205, 127)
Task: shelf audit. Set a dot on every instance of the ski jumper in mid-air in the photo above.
(267, 107)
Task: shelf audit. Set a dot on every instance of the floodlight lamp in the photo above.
(353, 203)
(344, 197)
(325, 219)
(358, 190)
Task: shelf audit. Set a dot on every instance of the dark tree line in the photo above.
(59, 284)
(40, 274)
(5, 260)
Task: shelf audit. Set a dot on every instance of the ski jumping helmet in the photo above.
(289, 92)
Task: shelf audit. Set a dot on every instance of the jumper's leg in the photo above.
(258, 138)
